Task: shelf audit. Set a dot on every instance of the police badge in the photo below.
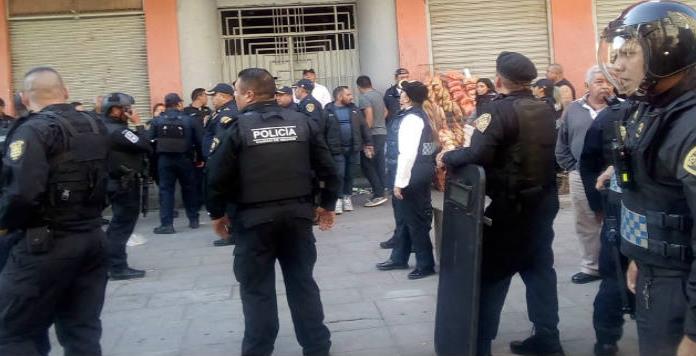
(16, 150)
(690, 162)
(482, 122)
(310, 107)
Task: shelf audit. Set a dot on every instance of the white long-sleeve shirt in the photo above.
(410, 133)
(321, 94)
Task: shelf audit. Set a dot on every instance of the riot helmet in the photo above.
(649, 41)
(122, 100)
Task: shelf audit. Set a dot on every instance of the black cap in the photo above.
(515, 67)
(284, 90)
(310, 70)
(172, 99)
(416, 91)
(401, 71)
(306, 84)
(221, 88)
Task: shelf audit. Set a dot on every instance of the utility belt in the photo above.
(274, 203)
(635, 229)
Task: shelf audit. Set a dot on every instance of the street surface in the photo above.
(189, 304)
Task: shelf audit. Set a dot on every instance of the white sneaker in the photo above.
(136, 240)
(339, 207)
(347, 204)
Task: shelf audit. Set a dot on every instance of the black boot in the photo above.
(538, 344)
(125, 273)
(194, 223)
(169, 229)
(389, 244)
(605, 349)
(224, 242)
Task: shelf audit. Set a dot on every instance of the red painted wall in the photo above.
(5, 60)
(164, 66)
(412, 32)
(573, 38)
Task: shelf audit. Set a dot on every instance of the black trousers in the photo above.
(64, 286)
(199, 182)
(173, 167)
(414, 217)
(608, 316)
(661, 305)
(538, 273)
(125, 205)
(290, 241)
(374, 168)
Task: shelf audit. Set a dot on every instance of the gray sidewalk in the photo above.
(189, 302)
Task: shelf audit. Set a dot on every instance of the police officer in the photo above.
(514, 142)
(393, 94)
(53, 192)
(410, 168)
(177, 146)
(649, 53)
(200, 113)
(222, 96)
(284, 98)
(267, 146)
(127, 154)
(308, 105)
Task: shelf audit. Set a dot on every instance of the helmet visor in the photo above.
(621, 57)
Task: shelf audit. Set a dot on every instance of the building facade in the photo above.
(148, 48)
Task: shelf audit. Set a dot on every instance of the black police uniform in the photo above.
(221, 117)
(514, 142)
(657, 167)
(310, 107)
(199, 116)
(613, 298)
(53, 193)
(263, 166)
(414, 213)
(177, 145)
(657, 218)
(391, 101)
(127, 154)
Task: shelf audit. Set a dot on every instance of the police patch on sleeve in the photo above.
(225, 120)
(16, 150)
(310, 107)
(130, 136)
(482, 122)
(690, 162)
(214, 145)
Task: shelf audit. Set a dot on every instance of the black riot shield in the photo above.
(460, 262)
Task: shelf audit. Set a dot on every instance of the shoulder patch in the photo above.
(690, 162)
(130, 136)
(310, 107)
(225, 120)
(214, 144)
(16, 150)
(482, 122)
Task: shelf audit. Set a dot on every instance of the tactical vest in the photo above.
(529, 161)
(122, 163)
(171, 135)
(655, 218)
(274, 160)
(424, 167)
(78, 174)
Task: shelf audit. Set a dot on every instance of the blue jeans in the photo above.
(173, 167)
(344, 164)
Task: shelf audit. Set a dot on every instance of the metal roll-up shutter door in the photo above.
(471, 33)
(95, 55)
(607, 10)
